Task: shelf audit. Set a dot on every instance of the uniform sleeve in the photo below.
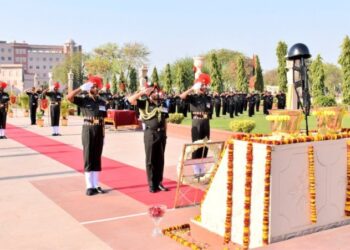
(78, 100)
(141, 104)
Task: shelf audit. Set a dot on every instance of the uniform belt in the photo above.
(155, 129)
(199, 113)
(93, 121)
(54, 103)
(204, 116)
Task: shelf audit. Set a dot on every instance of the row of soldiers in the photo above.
(231, 103)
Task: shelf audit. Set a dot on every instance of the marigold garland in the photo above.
(228, 221)
(247, 197)
(185, 227)
(312, 185)
(267, 181)
(347, 201)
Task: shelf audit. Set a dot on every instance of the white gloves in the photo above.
(197, 86)
(86, 86)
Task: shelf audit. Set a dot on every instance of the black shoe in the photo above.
(162, 188)
(53, 134)
(4, 137)
(91, 191)
(153, 190)
(58, 134)
(100, 190)
(1, 137)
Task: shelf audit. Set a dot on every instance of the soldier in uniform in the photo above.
(217, 104)
(251, 104)
(281, 100)
(33, 103)
(55, 107)
(153, 113)
(93, 109)
(4, 99)
(106, 95)
(200, 105)
(257, 101)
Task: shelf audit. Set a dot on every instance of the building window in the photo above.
(3, 58)
(44, 75)
(50, 66)
(2, 50)
(57, 59)
(37, 67)
(50, 59)
(30, 66)
(44, 59)
(9, 50)
(44, 67)
(30, 58)
(9, 58)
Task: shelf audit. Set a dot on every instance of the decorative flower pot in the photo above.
(329, 119)
(64, 122)
(285, 122)
(40, 122)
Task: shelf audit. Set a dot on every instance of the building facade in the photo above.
(24, 65)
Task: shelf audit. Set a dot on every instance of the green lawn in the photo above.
(262, 125)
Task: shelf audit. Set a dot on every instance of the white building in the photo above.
(24, 65)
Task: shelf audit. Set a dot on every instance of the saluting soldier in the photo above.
(93, 109)
(106, 95)
(4, 99)
(153, 112)
(200, 105)
(55, 107)
(33, 103)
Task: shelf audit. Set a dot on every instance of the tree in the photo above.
(133, 80)
(270, 77)
(242, 82)
(154, 76)
(344, 61)
(259, 80)
(133, 55)
(215, 73)
(114, 84)
(168, 82)
(72, 62)
(333, 78)
(317, 77)
(183, 73)
(281, 53)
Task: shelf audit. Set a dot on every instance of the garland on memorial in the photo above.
(247, 197)
(347, 201)
(312, 185)
(228, 220)
(171, 233)
(266, 218)
(266, 139)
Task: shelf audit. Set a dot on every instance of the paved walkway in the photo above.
(43, 203)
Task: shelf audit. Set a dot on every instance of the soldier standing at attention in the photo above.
(200, 106)
(33, 104)
(93, 109)
(55, 107)
(4, 99)
(153, 113)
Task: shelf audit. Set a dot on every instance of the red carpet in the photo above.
(117, 175)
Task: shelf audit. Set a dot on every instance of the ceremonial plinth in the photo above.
(263, 192)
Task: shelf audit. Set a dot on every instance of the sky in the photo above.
(173, 29)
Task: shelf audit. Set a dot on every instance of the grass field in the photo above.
(262, 125)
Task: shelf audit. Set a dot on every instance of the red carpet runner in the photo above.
(117, 175)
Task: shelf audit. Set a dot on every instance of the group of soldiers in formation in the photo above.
(153, 107)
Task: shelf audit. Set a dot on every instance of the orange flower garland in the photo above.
(312, 185)
(247, 198)
(228, 221)
(266, 219)
(170, 232)
(347, 201)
